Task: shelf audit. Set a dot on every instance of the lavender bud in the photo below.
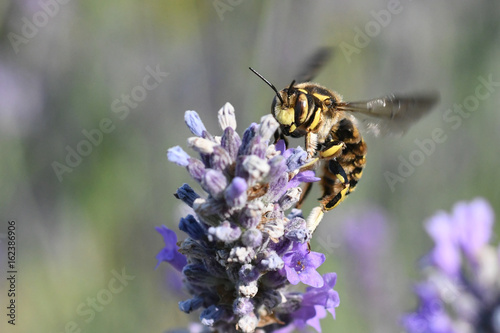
(282, 246)
(209, 210)
(224, 233)
(248, 135)
(202, 146)
(274, 227)
(236, 193)
(290, 198)
(227, 117)
(190, 305)
(297, 159)
(277, 188)
(258, 147)
(257, 168)
(194, 123)
(268, 127)
(231, 142)
(178, 156)
(295, 213)
(220, 159)
(277, 167)
(251, 214)
(214, 267)
(271, 152)
(214, 182)
(273, 280)
(272, 298)
(241, 254)
(196, 169)
(211, 315)
(192, 227)
(296, 230)
(198, 275)
(242, 306)
(186, 194)
(248, 323)
(193, 249)
(252, 238)
(249, 289)
(271, 262)
(248, 273)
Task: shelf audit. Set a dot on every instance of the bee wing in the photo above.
(391, 114)
(314, 64)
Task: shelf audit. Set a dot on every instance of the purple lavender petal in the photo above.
(311, 277)
(300, 265)
(431, 316)
(170, 252)
(292, 275)
(280, 146)
(314, 321)
(306, 176)
(474, 223)
(324, 296)
(445, 254)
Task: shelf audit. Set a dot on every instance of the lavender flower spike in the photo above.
(243, 250)
(461, 289)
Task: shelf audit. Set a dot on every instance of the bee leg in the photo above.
(336, 187)
(303, 196)
(331, 149)
(278, 135)
(314, 219)
(311, 144)
(340, 187)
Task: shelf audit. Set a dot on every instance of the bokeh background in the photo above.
(66, 68)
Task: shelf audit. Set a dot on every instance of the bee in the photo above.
(331, 128)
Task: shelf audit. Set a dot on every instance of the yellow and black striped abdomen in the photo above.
(341, 174)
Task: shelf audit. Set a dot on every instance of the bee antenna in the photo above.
(268, 83)
(290, 89)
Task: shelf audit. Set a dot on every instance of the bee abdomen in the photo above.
(353, 161)
(341, 175)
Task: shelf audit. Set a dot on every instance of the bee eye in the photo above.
(301, 103)
(301, 109)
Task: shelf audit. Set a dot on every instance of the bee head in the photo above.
(284, 106)
(289, 106)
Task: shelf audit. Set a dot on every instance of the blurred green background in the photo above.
(66, 69)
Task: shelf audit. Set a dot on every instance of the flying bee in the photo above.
(331, 128)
